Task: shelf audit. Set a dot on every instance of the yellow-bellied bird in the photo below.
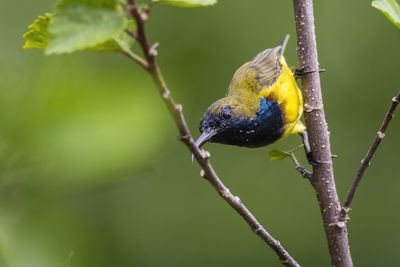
(263, 104)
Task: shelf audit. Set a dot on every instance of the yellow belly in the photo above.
(288, 95)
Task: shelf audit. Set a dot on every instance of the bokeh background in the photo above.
(90, 162)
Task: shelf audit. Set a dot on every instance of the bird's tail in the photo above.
(282, 45)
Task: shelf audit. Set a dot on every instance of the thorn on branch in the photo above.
(179, 108)
(144, 16)
(205, 154)
(166, 93)
(153, 50)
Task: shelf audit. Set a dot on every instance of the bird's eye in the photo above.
(226, 115)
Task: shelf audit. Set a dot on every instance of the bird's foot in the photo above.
(301, 72)
(308, 151)
(314, 162)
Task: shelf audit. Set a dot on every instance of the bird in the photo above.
(263, 105)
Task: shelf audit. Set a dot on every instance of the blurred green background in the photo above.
(90, 162)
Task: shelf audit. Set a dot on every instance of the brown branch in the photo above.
(323, 179)
(302, 170)
(201, 156)
(367, 159)
(137, 59)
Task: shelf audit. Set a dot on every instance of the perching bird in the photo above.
(263, 104)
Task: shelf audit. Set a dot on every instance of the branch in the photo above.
(201, 156)
(367, 159)
(302, 170)
(323, 179)
(137, 59)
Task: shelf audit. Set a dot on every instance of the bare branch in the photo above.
(137, 59)
(323, 179)
(201, 156)
(302, 170)
(367, 159)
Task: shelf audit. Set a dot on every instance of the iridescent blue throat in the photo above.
(265, 128)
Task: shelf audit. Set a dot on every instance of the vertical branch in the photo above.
(323, 179)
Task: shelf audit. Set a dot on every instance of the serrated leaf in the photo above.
(107, 4)
(119, 42)
(277, 154)
(38, 36)
(189, 3)
(78, 27)
(390, 8)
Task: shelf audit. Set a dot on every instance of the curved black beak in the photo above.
(203, 138)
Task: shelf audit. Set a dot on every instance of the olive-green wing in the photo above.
(262, 71)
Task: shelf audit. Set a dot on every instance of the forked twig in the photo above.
(367, 159)
(302, 170)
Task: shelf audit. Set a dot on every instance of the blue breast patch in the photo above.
(264, 128)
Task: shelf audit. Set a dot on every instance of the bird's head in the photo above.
(240, 121)
(219, 120)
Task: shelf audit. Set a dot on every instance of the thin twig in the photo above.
(323, 179)
(201, 156)
(367, 159)
(137, 59)
(302, 170)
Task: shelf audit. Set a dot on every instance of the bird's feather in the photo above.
(263, 100)
(262, 71)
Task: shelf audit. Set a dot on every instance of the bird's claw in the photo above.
(301, 72)
(314, 162)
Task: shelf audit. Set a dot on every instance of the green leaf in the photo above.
(38, 36)
(390, 8)
(120, 42)
(278, 154)
(189, 3)
(78, 27)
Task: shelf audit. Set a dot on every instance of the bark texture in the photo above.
(323, 179)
